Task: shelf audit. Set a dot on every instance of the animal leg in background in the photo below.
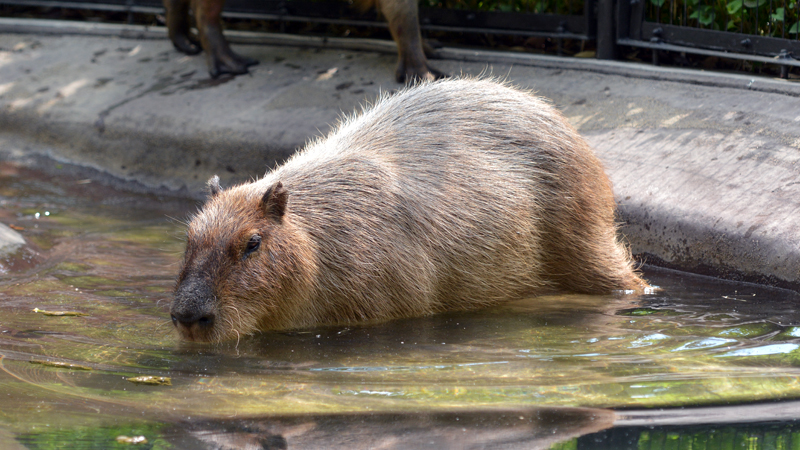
(207, 13)
(401, 15)
(403, 19)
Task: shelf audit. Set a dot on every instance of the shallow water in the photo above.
(113, 257)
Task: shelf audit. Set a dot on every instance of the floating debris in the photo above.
(133, 440)
(151, 381)
(59, 313)
(61, 365)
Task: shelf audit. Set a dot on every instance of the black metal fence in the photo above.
(761, 31)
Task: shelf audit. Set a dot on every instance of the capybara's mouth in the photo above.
(200, 330)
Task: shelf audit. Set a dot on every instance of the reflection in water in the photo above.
(114, 256)
(535, 428)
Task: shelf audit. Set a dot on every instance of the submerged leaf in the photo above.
(61, 365)
(151, 380)
(59, 313)
(133, 440)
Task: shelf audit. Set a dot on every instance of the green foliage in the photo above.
(704, 14)
(755, 17)
(567, 7)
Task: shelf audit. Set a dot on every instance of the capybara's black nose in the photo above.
(190, 318)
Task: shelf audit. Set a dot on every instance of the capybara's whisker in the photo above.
(450, 195)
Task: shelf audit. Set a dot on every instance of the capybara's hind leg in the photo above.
(596, 264)
(178, 26)
(584, 253)
(219, 56)
(403, 19)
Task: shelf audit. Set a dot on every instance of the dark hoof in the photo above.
(417, 76)
(244, 60)
(230, 64)
(187, 44)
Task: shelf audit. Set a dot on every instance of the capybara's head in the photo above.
(244, 262)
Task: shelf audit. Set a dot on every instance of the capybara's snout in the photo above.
(193, 311)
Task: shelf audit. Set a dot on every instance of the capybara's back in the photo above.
(450, 195)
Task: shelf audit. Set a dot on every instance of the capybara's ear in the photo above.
(213, 186)
(274, 200)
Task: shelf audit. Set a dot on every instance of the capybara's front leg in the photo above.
(178, 26)
(403, 19)
(219, 56)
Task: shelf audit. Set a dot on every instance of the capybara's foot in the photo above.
(177, 17)
(228, 62)
(413, 75)
(186, 43)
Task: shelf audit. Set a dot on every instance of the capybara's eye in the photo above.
(252, 245)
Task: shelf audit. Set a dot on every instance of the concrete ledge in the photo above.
(705, 165)
(629, 69)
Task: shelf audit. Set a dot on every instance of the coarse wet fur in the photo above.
(451, 195)
(402, 16)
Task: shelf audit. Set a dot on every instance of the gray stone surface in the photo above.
(705, 165)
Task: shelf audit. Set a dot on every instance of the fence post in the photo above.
(606, 30)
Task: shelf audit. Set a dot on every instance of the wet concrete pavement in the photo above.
(705, 165)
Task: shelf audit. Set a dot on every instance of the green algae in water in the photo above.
(97, 438)
(769, 436)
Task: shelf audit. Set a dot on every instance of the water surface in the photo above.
(113, 256)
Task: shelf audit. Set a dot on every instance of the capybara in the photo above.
(402, 17)
(451, 195)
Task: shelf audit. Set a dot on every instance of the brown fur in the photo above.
(402, 16)
(452, 195)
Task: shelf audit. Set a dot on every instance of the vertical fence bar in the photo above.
(606, 33)
(769, 19)
(660, 7)
(685, 12)
(282, 11)
(129, 6)
(727, 18)
(671, 8)
(741, 21)
(783, 24)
